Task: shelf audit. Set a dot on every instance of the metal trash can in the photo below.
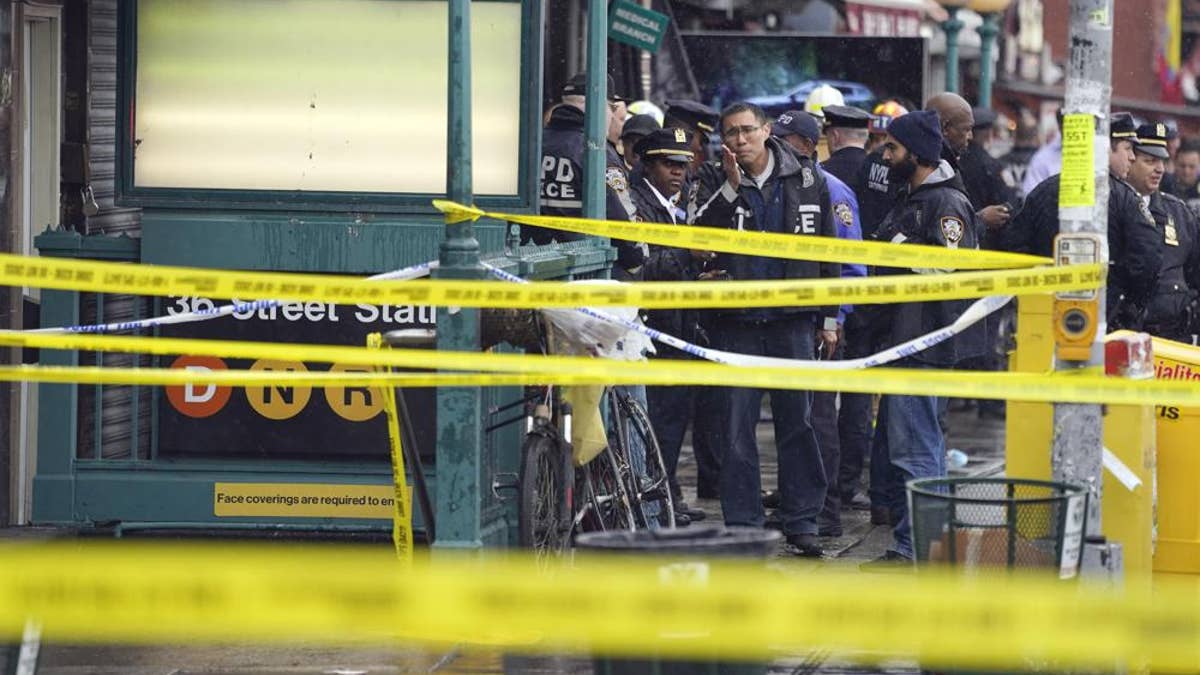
(691, 544)
(998, 522)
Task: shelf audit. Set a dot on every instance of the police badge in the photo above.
(1171, 237)
(615, 179)
(844, 214)
(807, 175)
(952, 230)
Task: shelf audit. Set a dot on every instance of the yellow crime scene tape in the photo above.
(519, 369)
(675, 607)
(772, 244)
(139, 279)
(402, 534)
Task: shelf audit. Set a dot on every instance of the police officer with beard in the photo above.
(1172, 312)
(1134, 250)
(933, 209)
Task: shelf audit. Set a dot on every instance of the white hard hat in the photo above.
(646, 108)
(820, 97)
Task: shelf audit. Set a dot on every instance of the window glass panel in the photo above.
(319, 95)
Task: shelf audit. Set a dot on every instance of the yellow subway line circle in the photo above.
(139, 279)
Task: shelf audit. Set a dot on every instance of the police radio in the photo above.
(1076, 313)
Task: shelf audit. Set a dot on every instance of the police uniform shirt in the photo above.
(876, 193)
(846, 164)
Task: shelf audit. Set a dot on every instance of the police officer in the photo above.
(1135, 254)
(760, 185)
(1172, 310)
(934, 210)
(700, 122)
(982, 173)
(563, 144)
(665, 156)
(802, 131)
(846, 133)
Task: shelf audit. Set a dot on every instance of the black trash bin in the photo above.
(998, 522)
(692, 544)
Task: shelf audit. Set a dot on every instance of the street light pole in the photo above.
(459, 409)
(988, 30)
(1078, 431)
(952, 26)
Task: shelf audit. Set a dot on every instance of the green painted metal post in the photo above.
(459, 410)
(952, 26)
(988, 30)
(596, 118)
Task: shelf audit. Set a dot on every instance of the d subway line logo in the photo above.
(274, 402)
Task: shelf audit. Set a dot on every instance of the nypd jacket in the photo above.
(936, 213)
(875, 190)
(667, 263)
(1172, 308)
(1134, 245)
(799, 187)
(563, 145)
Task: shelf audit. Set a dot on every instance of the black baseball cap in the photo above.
(577, 86)
(669, 144)
(638, 126)
(799, 123)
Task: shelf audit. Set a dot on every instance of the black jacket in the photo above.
(846, 165)
(981, 175)
(806, 210)
(666, 263)
(876, 193)
(936, 213)
(1134, 245)
(563, 143)
(1171, 310)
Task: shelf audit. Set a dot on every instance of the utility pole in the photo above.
(1078, 431)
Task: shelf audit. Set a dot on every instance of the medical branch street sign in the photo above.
(636, 26)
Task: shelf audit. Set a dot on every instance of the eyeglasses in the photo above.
(745, 130)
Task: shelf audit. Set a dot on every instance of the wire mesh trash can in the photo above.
(998, 522)
(684, 546)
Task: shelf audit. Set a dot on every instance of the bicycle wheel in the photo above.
(542, 486)
(654, 489)
(609, 498)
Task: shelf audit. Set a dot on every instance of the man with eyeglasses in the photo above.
(760, 185)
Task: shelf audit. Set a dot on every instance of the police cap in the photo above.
(670, 144)
(985, 118)
(577, 86)
(845, 117)
(1152, 140)
(638, 126)
(692, 116)
(1122, 126)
